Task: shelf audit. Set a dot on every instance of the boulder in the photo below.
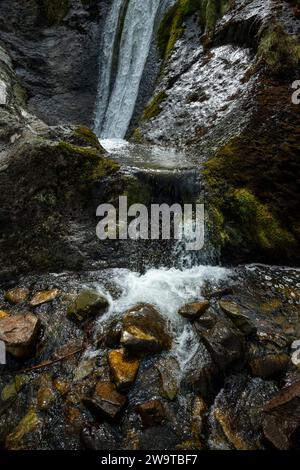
(43, 297)
(87, 304)
(106, 400)
(145, 330)
(123, 368)
(19, 333)
(236, 313)
(152, 413)
(17, 295)
(194, 310)
(282, 417)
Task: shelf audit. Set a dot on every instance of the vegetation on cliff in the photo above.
(172, 25)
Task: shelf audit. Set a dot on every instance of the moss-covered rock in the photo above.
(279, 50)
(253, 181)
(172, 25)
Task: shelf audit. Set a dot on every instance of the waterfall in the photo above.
(128, 33)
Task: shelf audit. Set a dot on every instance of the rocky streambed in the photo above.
(167, 359)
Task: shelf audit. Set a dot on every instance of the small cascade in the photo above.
(126, 42)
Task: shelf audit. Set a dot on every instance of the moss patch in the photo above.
(171, 27)
(154, 107)
(279, 50)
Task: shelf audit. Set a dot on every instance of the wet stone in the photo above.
(269, 365)
(169, 371)
(236, 313)
(194, 310)
(17, 295)
(145, 330)
(86, 305)
(4, 314)
(152, 413)
(123, 368)
(43, 297)
(106, 400)
(20, 334)
(282, 417)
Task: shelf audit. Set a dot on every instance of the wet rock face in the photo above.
(233, 423)
(57, 51)
(144, 330)
(282, 417)
(19, 334)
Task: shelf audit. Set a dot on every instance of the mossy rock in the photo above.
(172, 25)
(252, 183)
(279, 50)
(86, 305)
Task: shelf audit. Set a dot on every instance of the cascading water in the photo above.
(127, 34)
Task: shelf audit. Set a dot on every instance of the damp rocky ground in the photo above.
(204, 358)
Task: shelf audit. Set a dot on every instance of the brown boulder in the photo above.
(17, 295)
(107, 400)
(194, 310)
(152, 413)
(19, 334)
(145, 330)
(123, 368)
(43, 296)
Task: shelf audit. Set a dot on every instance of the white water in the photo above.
(114, 111)
(168, 290)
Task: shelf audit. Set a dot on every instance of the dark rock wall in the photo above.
(55, 49)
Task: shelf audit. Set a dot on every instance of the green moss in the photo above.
(279, 50)
(137, 135)
(87, 136)
(95, 166)
(171, 27)
(154, 107)
(54, 11)
(258, 224)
